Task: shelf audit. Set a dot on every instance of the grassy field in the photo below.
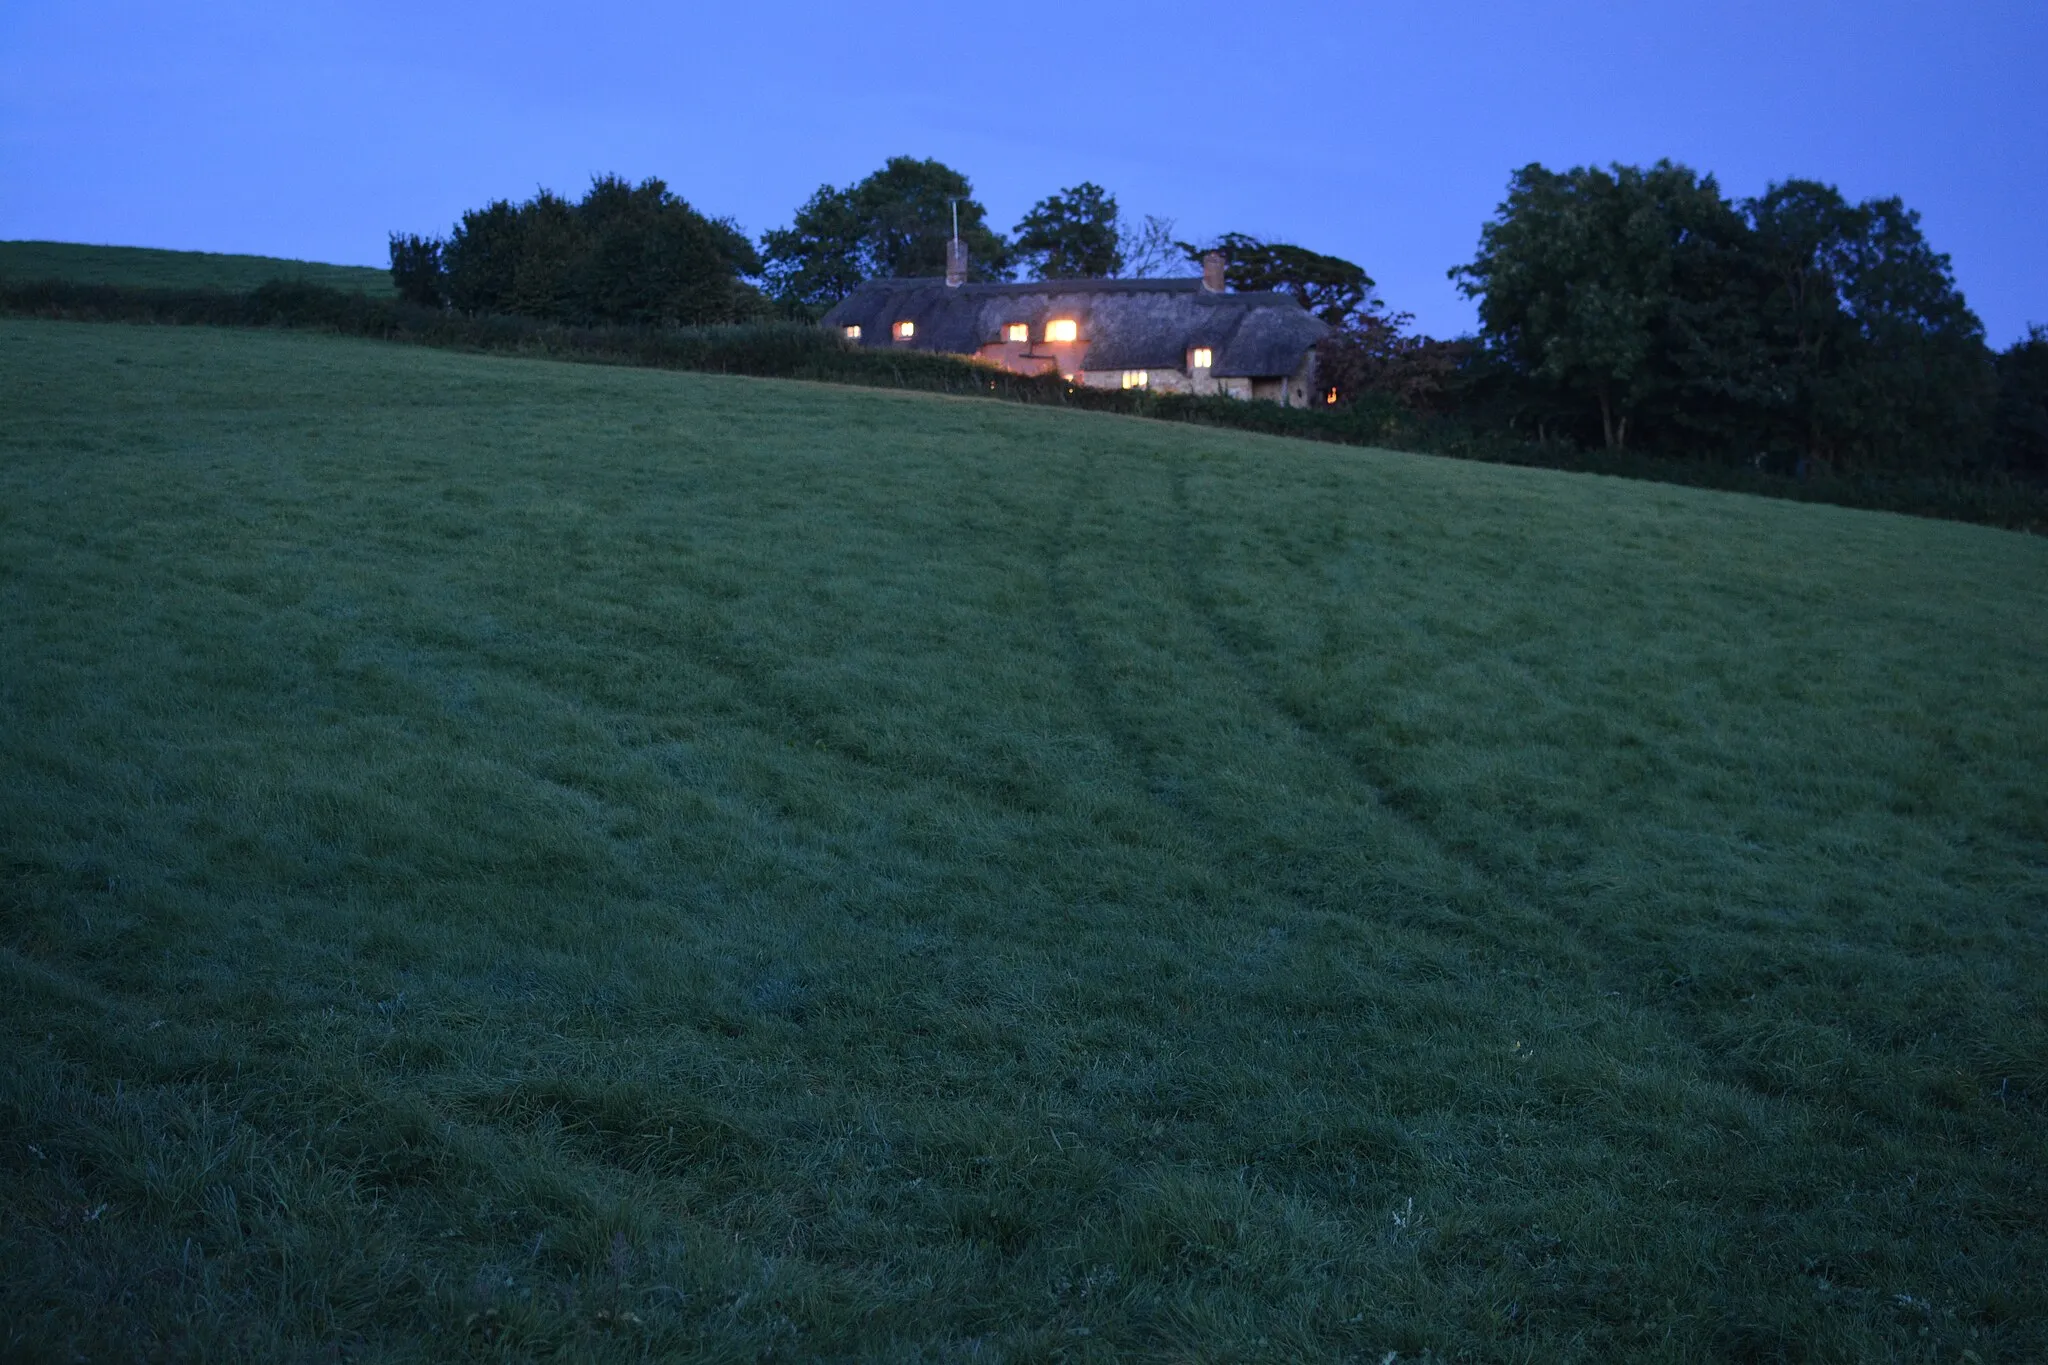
(150, 268)
(503, 860)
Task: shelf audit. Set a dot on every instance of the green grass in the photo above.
(502, 859)
(150, 268)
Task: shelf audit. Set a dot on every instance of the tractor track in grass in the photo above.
(1575, 945)
(1313, 883)
(785, 717)
(1572, 947)
(1376, 784)
(1097, 693)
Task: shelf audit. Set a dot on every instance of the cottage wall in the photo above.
(1023, 357)
(1158, 381)
(1306, 393)
(1288, 391)
(1297, 390)
(1202, 384)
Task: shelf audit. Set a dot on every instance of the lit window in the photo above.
(1061, 329)
(1137, 379)
(1017, 331)
(905, 330)
(1203, 358)
(853, 333)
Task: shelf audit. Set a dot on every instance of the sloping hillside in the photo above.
(152, 268)
(508, 858)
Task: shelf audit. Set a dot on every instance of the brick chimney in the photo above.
(1212, 271)
(956, 263)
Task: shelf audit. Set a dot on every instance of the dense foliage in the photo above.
(1072, 235)
(2021, 431)
(895, 222)
(417, 271)
(1642, 306)
(625, 254)
(1376, 356)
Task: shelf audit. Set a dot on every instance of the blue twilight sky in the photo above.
(1380, 132)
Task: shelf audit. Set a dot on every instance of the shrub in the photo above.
(624, 254)
(416, 270)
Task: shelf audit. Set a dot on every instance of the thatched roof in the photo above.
(1129, 324)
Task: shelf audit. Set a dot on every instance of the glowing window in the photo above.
(1061, 329)
(1017, 331)
(1203, 359)
(1137, 379)
(853, 333)
(905, 330)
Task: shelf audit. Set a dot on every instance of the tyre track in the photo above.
(1310, 878)
(1375, 782)
(1377, 785)
(1091, 676)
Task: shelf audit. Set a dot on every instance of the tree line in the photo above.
(637, 253)
(624, 253)
(1641, 305)
(1624, 307)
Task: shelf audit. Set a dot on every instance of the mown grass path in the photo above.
(504, 860)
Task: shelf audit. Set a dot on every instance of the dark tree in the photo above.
(625, 254)
(1875, 355)
(1072, 235)
(1331, 287)
(482, 258)
(1588, 279)
(2022, 412)
(894, 223)
(1795, 327)
(1375, 354)
(416, 270)
(551, 245)
(649, 257)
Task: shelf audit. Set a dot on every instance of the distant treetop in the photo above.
(894, 223)
(625, 254)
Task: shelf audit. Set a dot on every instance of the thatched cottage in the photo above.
(1175, 336)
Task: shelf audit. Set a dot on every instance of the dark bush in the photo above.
(482, 258)
(2021, 415)
(416, 270)
(625, 254)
